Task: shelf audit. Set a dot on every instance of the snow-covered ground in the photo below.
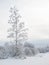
(40, 59)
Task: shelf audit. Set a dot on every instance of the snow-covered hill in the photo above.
(40, 59)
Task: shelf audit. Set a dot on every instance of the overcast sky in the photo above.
(35, 13)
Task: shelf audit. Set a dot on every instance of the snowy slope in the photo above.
(40, 59)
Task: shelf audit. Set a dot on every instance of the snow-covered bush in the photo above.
(47, 49)
(10, 50)
(34, 51)
(43, 49)
(20, 51)
(28, 51)
(2, 53)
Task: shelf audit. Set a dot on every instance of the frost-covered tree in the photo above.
(17, 32)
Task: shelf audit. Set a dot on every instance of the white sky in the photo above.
(35, 13)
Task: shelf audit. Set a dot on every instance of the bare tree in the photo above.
(17, 32)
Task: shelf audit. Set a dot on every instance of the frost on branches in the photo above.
(17, 32)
